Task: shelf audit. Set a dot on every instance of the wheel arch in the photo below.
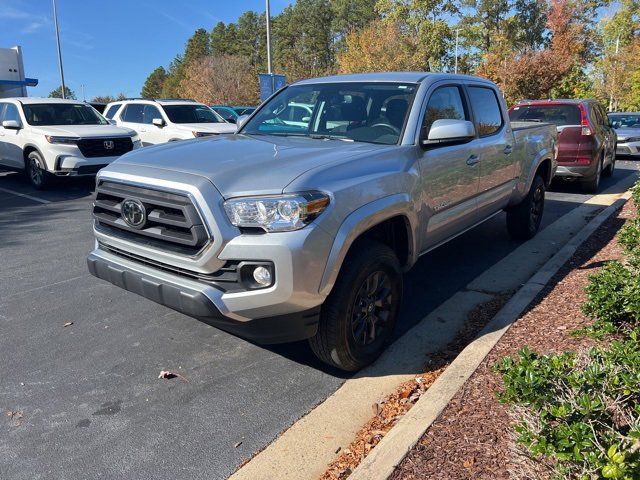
(391, 220)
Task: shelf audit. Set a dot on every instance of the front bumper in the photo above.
(200, 301)
(628, 148)
(74, 166)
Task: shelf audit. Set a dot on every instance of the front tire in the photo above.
(608, 172)
(523, 220)
(36, 171)
(358, 317)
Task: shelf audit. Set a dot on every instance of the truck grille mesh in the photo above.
(172, 221)
(96, 147)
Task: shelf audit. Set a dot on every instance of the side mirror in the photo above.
(12, 124)
(445, 130)
(158, 122)
(306, 119)
(241, 120)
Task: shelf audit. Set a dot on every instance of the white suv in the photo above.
(48, 137)
(159, 121)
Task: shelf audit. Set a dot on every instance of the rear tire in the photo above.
(36, 171)
(358, 316)
(592, 185)
(523, 220)
(608, 172)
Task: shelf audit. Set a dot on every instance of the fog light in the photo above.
(262, 276)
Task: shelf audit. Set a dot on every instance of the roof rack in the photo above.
(174, 100)
(159, 99)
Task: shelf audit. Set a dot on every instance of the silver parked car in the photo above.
(293, 230)
(627, 127)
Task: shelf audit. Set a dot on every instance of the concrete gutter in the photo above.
(305, 450)
(392, 449)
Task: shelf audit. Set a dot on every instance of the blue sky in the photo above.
(110, 46)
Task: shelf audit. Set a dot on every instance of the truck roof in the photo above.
(400, 77)
(30, 100)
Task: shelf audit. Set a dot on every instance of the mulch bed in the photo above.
(473, 437)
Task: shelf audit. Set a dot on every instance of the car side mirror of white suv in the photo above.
(12, 124)
(158, 122)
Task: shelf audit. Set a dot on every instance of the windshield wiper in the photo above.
(318, 136)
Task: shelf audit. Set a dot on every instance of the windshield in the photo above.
(41, 114)
(191, 114)
(372, 112)
(559, 115)
(625, 120)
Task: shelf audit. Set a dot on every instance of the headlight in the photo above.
(202, 134)
(633, 139)
(280, 213)
(63, 140)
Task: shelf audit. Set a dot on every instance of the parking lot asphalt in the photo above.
(85, 401)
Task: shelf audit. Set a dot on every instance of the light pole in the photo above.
(55, 21)
(613, 74)
(268, 17)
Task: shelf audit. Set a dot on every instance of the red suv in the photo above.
(586, 140)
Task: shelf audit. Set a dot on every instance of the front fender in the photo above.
(361, 220)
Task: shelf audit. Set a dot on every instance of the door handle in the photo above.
(508, 149)
(472, 160)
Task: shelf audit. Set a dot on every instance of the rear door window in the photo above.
(111, 111)
(133, 113)
(559, 115)
(486, 110)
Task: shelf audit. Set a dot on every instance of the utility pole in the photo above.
(84, 99)
(268, 16)
(457, 36)
(55, 20)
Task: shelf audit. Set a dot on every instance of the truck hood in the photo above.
(207, 127)
(84, 131)
(240, 165)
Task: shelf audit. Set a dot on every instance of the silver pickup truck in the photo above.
(301, 224)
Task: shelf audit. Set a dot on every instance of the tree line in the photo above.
(530, 48)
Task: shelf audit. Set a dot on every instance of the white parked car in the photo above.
(48, 137)
(168, 120)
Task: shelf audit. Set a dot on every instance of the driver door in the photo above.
(449, 172)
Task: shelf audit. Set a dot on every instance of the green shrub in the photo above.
(582, 410)
(613, 299)
(629, 236)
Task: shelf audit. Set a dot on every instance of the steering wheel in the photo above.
(393, 129)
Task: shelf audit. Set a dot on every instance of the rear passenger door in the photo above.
(449, 172)
(131, 117)
(494, 147)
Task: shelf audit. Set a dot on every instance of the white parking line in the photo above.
(24, 195)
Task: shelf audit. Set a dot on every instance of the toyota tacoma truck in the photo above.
(301, 228)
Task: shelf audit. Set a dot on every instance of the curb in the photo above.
(383, 459)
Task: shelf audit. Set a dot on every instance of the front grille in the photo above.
(172, 222)
(98, 147)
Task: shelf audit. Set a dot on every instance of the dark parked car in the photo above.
(231, 114)
(586, 140)
(627, 127)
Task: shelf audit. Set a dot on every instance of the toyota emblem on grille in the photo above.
(109, 144)
(134, 213)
